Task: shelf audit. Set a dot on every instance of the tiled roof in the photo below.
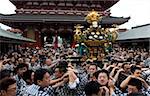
(58, 18)
(141, 32)
(13, 36)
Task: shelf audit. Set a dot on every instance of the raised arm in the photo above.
(125, 82)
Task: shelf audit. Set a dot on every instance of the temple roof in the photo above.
(10, 37)
(102, 4)
(141, 32)
(16, 18)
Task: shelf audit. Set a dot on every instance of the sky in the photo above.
(137, 10)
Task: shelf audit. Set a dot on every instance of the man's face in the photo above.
(45, 81)
(12, 59)
(132, 89)
(58, 74)
(92, 69)
(11, 91)
(48, 62)
(22, 70)
(127, 68)
(103, 78)
(130, 54)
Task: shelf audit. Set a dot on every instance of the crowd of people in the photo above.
(49, 72)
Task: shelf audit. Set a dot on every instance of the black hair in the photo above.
(101, 71)
(6, 82)
(62, 68)
(88, 62)
(134, 67)
(27, 76)
(21, 65)
(94, 64)
(63, 64)
(125, 63)
(39, 74)
(113, 61)
(5, 73)
(92, 88)
(135, 82)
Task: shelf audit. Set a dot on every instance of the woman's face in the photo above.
(92, 69)
(137, 73)
(103, 78)
(22, 70)
(11, 91)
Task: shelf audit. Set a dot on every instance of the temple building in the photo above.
(39, 19)
(10, 41)
(137, 37)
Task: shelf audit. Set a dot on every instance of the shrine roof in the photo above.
(113, 1)
(17, 18)
(141, 32)
(10, 37)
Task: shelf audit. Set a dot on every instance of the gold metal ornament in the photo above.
(95, 37)
(78, 32)
(93, 16)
